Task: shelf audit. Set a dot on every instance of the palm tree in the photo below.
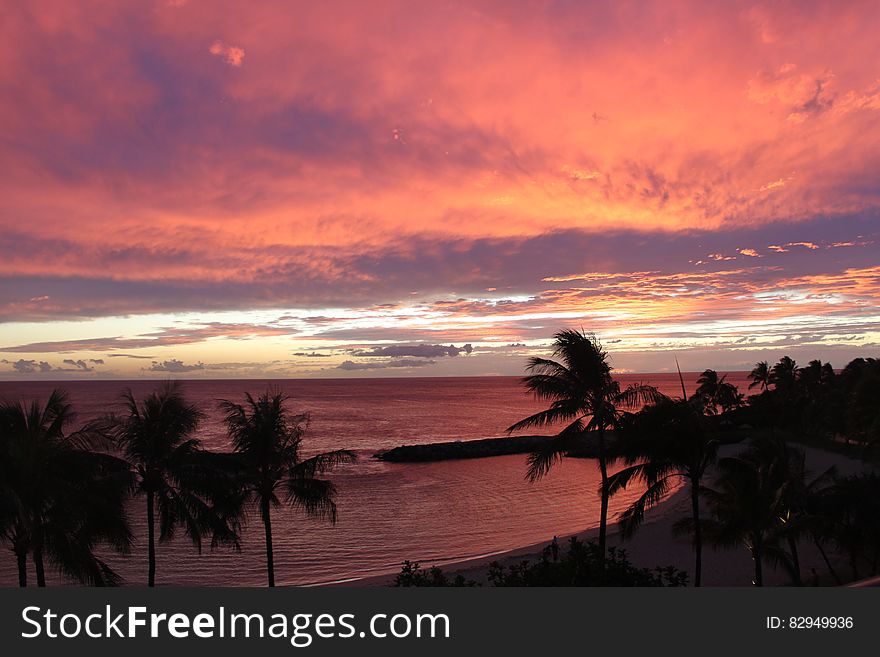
(745, 505)
(183, 484)
(714, 391)
(708, 385)
(59, 499)
(584, 395)
(665, 441)
(782, 375)
(268, 440)
(861, 379)
(760, 376)
(797, 493)
(852, 508)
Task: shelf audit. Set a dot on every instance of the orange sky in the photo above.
(285, 189)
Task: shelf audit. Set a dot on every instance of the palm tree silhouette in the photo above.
(183, 484)
(760, 376)
(783, 374)
(583, 394)
(851, 508)
(665, 441)
(861, 383)
(796, 492)
(268, 440)
(745, 504)
(58, 498)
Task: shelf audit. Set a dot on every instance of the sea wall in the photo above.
(472, 449)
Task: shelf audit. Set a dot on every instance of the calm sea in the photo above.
(434, 513)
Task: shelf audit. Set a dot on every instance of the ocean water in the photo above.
(434, 513)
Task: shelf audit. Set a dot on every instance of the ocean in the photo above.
(434, 513)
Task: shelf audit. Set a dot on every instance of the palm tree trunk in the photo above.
(151, 541)
(267, 524)
(854, 563)
(758, 556)
(603, 519)
(698, 535)
(37, 545)
(795, 561)
(21, 558)
(38, 565)
(828, 563)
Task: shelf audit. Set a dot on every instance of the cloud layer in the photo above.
(191, 184)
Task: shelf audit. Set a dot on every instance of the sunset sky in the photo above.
(219, 189)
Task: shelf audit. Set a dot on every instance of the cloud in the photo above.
(421, 350)
(311, 354)
(352, 366)
(175, 366)
(233, 55)
(23, 366)
(81, 365)
(167, 336)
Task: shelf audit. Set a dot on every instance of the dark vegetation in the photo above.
(64, 491)
(581, 565)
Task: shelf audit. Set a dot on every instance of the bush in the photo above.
(411, 574)
(580, 566)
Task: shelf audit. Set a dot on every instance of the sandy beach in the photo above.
(655, 545)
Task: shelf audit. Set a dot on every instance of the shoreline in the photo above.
(654, 544)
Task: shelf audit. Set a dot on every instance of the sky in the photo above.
(219, 189)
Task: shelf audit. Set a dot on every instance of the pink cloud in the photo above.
(233, 55)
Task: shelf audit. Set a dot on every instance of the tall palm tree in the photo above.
(745, 504)
(852, 507)
(861, 380)
(183, 484)
(760, 376)
(663, 442)
(268, 440)
(796, 494)
(59, 499)
(585, 396)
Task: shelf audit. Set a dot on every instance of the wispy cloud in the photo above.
(352, 366)
(175, 366)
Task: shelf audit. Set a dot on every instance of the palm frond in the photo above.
(634, 515)
(540, 461)
(317, 497)
(321, 463)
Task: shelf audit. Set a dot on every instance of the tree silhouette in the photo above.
(715, 392)
(268, 440)
(184, 485)
(760, 376)
(662, 442)
(59, 498)
(783, 374)
(745, 504)
(583, 395)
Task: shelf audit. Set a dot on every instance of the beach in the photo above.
(654, 544)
